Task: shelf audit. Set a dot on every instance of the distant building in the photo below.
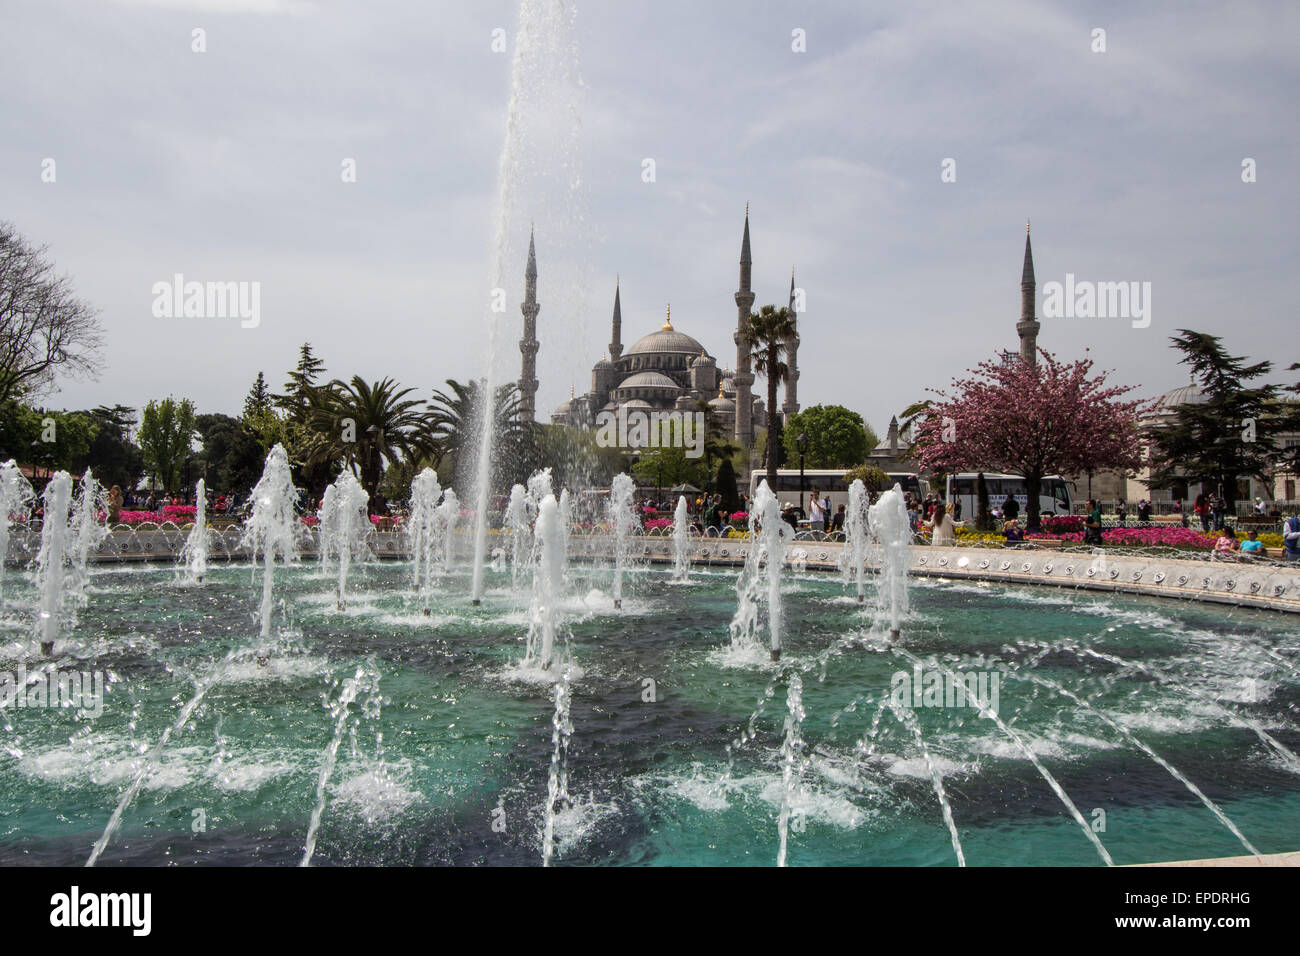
(666, 369)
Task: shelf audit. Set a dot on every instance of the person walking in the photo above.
(1121, 513)
(1092, 524)
(1010, 508)
(1201, 508)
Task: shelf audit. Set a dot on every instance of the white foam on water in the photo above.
(573, 825)
(376, 792)
(248, 772)
(278, 667)
(517, 672)
(917, 767)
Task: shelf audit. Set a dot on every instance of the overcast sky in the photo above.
(225, 166)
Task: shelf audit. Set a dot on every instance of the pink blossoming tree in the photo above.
(1031, 420)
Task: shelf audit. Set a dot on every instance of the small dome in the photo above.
(648, 379)
(604, 363)
(704, 361)
(635, 403)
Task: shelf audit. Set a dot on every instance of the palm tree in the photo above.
(455, 418)
(766, 334)
(368, 424)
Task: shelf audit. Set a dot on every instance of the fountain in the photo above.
(16, 498)
(344, 524)
(566, 523)
(791, 762)
(195, 551)
(548, 584)
(557, 780)
(520, 527)
(52, 557)
(421, 530)
(340, 708)
(760, 579)
(539, 176)
(681, 540)
(622, 522)
(893, 534)
(85, 534)
(270, 528)
(857, 537)
(448, 515)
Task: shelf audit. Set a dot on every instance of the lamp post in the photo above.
(802, 443)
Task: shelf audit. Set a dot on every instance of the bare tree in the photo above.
(44, 328)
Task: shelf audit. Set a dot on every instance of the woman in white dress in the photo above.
(941, 526)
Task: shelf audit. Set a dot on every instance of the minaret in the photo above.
(1028, 326)
(528, 344)
(744, 378)
(616, 336)
(791, 405)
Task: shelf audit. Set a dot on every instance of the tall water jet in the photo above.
(548, 585)
(51, 558)
(519, 525)
(557, 780)
(195, 551)
(344, 527)
(421, 530)
(791, 761)
(681, 540)
(761, 576)
(269, 530)
(857, 536)
(339, 710)
(16, 497)
(325, 521)
(566, 523)
(893, 533)
(622, 522)
(448, 515)
(85, 533)
(541, 171)
(773, 533)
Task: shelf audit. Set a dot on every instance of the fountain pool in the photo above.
(677, 755)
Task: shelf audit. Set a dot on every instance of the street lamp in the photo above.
(802, 443)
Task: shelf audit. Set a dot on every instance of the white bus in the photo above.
(1054, 493)
(829, 482)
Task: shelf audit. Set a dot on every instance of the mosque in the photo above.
(666, 370)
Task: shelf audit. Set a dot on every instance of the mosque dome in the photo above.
(704, 361)
(1183, 395)
(648, 379)
(667, 339)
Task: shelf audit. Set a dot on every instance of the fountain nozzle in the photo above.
(776, 654)
(476, 602)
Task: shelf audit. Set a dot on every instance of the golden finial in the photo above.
(570, 391)
(668, 320)
(746, 208)
(1026, 227)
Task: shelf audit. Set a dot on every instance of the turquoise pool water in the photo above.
(676, 757)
